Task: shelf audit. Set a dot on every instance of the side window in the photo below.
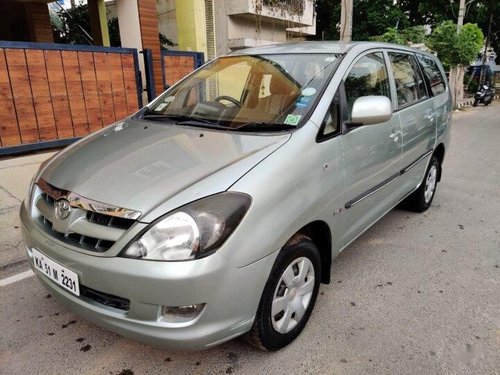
(330, 124)
(433, 74)
(367, 77)
(410, 86)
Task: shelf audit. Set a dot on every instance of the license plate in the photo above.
(57, 273)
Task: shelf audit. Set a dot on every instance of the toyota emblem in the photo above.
(62, 209)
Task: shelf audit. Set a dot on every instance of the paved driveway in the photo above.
(416, 294)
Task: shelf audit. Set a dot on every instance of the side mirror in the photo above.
(368, 110)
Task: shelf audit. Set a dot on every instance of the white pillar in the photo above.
(130, 33)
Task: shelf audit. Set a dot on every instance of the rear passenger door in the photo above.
(417, 115)
(372, 153)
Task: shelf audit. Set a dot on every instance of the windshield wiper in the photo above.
(265, 126)
(183, 120)
(201, 122)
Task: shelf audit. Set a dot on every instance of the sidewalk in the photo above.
(15, 175)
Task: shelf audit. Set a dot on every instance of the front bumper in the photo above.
(231, 294)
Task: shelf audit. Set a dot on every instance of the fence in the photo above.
(178, 64)
(52, 94)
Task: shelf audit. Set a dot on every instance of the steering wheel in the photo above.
(236, 102)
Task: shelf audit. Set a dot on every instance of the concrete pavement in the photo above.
(416, 294)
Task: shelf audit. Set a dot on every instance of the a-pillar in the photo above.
(138, 22)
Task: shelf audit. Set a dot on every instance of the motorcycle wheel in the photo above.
(475, 103)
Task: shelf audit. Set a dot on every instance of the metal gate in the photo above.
(54, 94)
(178, 64)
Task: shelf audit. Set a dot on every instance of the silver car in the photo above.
(216, 210)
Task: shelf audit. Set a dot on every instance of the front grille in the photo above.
(105, 299)
(109, 221)
(89, 224)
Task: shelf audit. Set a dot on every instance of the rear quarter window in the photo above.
(433, 74)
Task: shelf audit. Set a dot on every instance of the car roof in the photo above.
(319, 47)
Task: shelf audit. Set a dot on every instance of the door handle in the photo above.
(395, 136)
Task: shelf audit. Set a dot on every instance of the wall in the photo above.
(25, 22)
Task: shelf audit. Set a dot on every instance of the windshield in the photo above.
(265, 92)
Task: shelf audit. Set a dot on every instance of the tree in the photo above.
(369, 18)
(433, 13)
(456, 50)
(76, 23)
(410, 35)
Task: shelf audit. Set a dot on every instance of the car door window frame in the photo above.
(396, 106)
(344, 110)
(337, 102)
(426, 78)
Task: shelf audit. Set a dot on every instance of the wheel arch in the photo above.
(319, 232)
(439, 154)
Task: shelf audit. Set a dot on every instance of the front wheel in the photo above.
(289, 295)
(421, 199)
(475, 102)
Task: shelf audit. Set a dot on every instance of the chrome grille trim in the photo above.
(77, 201)
(85, 229)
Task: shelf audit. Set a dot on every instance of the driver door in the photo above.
(372, 153)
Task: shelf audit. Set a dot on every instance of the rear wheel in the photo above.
(475, 103)
(289, 295)
(421, 199)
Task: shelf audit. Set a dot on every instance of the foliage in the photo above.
(370, 17)
(165, 42)
(114, 32)
(327, 19)
(454, 48)
(73, 19)
(392, 35)
(290, 6)
(414, 35)
(375, 17)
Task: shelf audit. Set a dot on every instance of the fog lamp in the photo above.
(181, 314)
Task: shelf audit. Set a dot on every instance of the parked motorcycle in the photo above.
(484, 95)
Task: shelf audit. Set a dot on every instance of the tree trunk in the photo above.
(457, 83)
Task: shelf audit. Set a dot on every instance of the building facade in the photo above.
(216, 27)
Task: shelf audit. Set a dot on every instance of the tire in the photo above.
(487, 102)
(421, 199)
(290, 298)
(475, 103)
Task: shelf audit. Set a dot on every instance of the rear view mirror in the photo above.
(368, 110)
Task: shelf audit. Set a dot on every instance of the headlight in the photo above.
(193, 231)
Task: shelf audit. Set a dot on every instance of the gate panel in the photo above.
(178, 64)
(52, 94)
(21, 91)
(41, 95)
(59, 94)
(9, 128)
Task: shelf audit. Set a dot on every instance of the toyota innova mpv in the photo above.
(216, 210)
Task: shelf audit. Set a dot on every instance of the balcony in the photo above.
(295, 13)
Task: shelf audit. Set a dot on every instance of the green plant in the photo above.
(165, 42)
(456, 48)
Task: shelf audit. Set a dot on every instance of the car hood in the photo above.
(154, 167)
